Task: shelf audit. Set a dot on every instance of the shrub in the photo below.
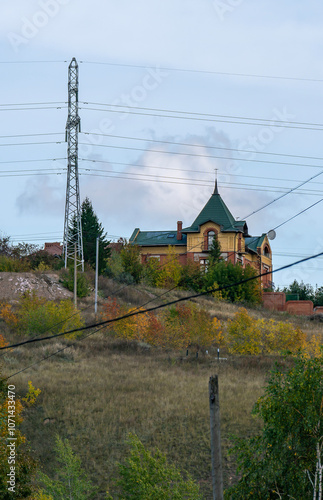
(148, 476)
(25, 466)
(71, 481)
(8, 264)
(83, 286)
(36, 315)
(247, 335)
(180, 326)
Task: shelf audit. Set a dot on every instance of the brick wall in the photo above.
(274, 300)
(300, 307)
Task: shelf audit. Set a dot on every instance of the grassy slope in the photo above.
(96, 392)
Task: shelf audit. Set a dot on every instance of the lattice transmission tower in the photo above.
(72, 225)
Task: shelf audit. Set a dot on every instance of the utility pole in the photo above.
(75, 275)
(72, 205)
(216, 456)
(96, 275)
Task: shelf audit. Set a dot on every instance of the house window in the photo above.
(153, 257)
(204, 265)
(266, 252)
(210, 238)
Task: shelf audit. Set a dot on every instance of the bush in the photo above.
(83, 286)
(225, 273)
(71, 481)
(184, 325)
(247, 335)
(25, 466)
(36, 315)
(146, 476)
(11, 265)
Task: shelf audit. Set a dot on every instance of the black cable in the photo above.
(129, 315)
(299, 213)
(282, 196)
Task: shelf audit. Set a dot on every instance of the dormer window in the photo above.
(210, 238)
(266, 251)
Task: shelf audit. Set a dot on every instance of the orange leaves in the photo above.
(177, 327)
(7, 315)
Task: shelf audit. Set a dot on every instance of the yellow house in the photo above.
(193, 243)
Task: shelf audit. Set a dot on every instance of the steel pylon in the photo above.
(72, 224)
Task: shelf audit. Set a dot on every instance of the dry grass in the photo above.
(95, 392)
(98, 391)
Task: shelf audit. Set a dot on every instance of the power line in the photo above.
(270, 121)
(32, 109)
(221, 73)
(32, 143)
(260, 121)
(204, 146)
(33, 103)
(299, 213)
(161, 306)
(193, 182)
(189, 170)
(196, 155)
(32, 161)
(282, 196)
(32, 62)
(28, 135)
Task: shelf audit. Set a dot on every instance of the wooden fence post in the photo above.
(217, 479)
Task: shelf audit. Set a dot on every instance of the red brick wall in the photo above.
(300, 307)
(274, 300)
(318, 310)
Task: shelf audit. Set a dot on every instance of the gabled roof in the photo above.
(156, 238)
(216, 211)
(255, 242)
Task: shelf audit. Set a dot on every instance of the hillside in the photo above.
(97, 390)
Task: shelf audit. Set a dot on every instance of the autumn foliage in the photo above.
(248, 335)
(183, 325)
(36, 315)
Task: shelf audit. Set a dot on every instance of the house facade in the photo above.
(193, 243)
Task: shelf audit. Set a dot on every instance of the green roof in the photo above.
(216, 211)
(159, 238)
(254, 242)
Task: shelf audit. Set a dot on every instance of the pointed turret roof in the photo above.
(216, 211)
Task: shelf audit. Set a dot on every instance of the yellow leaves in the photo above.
(37, 315)
(170, 272)
(31, 395)
(247, 335)
(177, 327)
(7, 315)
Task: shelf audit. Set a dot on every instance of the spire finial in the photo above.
(216, 182)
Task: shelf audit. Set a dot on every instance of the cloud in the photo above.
(169, 186)
(43, 196)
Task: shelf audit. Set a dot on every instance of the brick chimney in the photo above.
(179, 230)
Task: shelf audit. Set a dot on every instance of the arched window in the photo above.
(266, 251)
(210, 238)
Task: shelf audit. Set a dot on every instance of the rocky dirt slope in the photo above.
(47, 285)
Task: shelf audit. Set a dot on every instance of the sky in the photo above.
(169, 91)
